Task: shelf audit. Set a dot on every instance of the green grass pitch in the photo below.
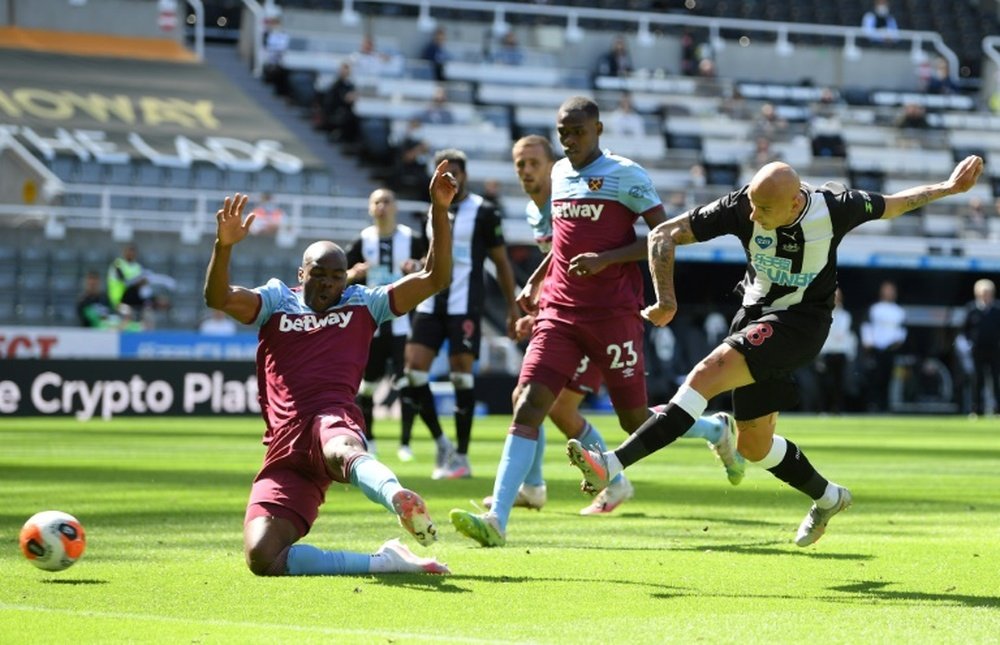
(690, 560)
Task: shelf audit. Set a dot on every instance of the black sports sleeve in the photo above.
(354, 254)
(850, 208)
(721, 217)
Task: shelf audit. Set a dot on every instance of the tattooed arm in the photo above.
(662, 241)
(963, 177)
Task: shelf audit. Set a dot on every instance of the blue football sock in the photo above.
(707, 428)
(375, 480)
(534, 476)
(591, 438)
(306, 560)
(518, 453)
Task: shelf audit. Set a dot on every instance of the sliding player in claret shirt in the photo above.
(314, 343)
(790, 232)
(589, 308)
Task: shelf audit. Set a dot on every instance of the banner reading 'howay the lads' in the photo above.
(113, 110)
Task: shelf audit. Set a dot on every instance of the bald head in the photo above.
(776, 194)
(321, 253)
(777, 180)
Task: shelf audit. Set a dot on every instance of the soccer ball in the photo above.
(52, 540)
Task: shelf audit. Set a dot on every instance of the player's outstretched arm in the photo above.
(413, 289)
(240, 303)
(962, 179)
(662, 241)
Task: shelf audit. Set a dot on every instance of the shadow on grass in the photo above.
(869, 589)
(447, 584)
(765, 548)
(74, 582)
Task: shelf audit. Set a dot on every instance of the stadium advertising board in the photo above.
(115, 111)
(56, 342)
(106, 389)
(189, 345)
(62, 342)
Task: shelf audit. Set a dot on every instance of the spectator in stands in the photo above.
(132, 289)
(508, 50)
(336, 108)
(975, 224)
(939, 81)
(827, 105)
(276, 42)
(369, 61)
(267, 216)
(435, 53)
(409, 178)
(913, 116)
(839, 349)
(706, 68)
(438, 111)
(878, 24)
(624, 120)
(763, 153)
(616, 61)
(689, 54)
(882, 336)
(982, 329)
(93, 307)
(217, 324)
(768, 123)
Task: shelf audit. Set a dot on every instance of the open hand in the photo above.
(231, 228)
(444, 186)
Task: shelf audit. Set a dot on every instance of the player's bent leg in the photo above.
(266, 541)
(348, 462)
(271, 550)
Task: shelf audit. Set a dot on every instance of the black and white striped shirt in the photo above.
(793, 266)
(385, 257)
(475, 229)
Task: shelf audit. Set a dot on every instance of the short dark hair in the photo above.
(451, 155)
(581, 104)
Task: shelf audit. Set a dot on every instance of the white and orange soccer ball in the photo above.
(52, 540)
